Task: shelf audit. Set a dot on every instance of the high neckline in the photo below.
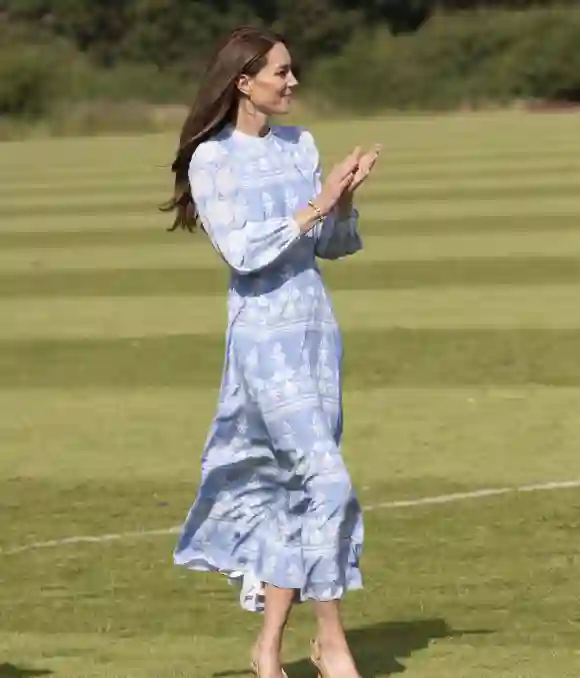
(251, 138)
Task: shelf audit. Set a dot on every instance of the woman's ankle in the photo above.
(269, 642)
(331, 642)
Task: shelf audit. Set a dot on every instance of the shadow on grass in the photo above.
(379, 648)
(11, 671)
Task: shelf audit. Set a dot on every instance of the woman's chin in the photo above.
(285, 106)
(281, 108)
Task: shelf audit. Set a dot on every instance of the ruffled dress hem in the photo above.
(251, 576)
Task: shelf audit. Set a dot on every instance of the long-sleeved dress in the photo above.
(275, 503)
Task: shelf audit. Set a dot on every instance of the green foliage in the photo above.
(545, 61)
(467, 59)
(361, 55)
(170, 32)
(95, 26)
(315, 28)
(32, 78)
(399, 15)
(498, 4)
(177, 32)
(127, 81)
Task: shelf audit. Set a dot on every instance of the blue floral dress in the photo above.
(275, 503)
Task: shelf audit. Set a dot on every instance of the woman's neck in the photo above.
(252, 123)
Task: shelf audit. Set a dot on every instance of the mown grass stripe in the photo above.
(383, 358)
(74, 203)
(464, 178)
(495, 306)
(198, 253)
(80, 223)
(392, 275)
(434, 210)
(480, 169)
(52, 175)
(135, 231)
(466, 155)
(461, 186)
(392, 195)
(82, 188)
(396, 188)
(426, 215)
(90, 237)
(566, 202)
(451, 134)
(85, 157)
(118, 180)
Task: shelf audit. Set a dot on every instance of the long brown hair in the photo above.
(243, 52)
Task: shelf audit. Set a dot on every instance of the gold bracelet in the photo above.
(316, 209)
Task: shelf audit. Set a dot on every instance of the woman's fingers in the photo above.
(352, 159)
(355, 167)
(347, 180)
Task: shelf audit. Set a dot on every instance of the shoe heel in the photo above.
(255, 671)
(315, 657)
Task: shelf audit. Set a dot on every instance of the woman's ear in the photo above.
(244, 84)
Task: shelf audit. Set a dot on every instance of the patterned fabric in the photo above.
(275, 503)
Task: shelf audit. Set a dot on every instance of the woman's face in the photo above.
(270, 90)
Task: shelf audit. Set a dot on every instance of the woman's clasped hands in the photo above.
(346, 176)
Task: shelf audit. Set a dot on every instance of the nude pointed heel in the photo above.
(315, 658)
(256, 671)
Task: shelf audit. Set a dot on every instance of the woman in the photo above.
(275, 511)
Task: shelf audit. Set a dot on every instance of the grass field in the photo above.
(461, 322)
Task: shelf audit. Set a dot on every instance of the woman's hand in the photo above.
(365, 166)
(339, 179)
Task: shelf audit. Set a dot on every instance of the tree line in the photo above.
(170, 33)
(83, 62)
